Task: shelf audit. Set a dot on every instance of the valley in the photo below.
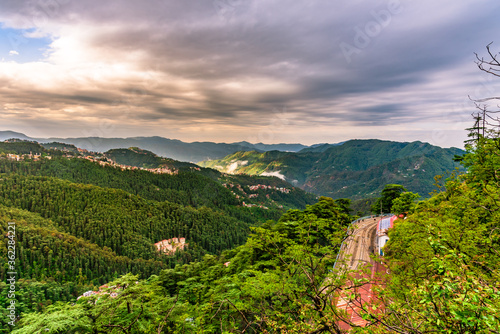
(126, 226)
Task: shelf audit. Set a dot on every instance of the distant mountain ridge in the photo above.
(4, 135)
(355, 169)
(273, 147)
(164, 147)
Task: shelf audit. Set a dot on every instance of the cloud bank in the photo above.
(256, 70)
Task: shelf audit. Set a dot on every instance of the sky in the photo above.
(272, 71)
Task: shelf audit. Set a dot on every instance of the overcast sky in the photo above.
(257, 70)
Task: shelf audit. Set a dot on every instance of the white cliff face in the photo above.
(170, 246)
(234, 166)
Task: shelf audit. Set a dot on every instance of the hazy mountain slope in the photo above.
(170, 148)
(4, 135)
(319, 147)
(356, 169)
(273, 147)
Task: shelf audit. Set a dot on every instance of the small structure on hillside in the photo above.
(103, 290)
(382, 228)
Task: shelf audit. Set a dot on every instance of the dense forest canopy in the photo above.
(80, 223)
(443, 259)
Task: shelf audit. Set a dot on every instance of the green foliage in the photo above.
(444, 259)
(284, 288)
(275, 282)
(363, 207)
(35, 296)
(405, 203)
(454, 301)
(58, 319)
(390, 193)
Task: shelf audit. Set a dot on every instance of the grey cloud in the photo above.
(393, 114)
(286, 41)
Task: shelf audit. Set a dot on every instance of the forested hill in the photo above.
(137, 157)
(355, 169)
(82, 220)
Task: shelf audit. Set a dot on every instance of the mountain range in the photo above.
(353, 169)
(170, 148)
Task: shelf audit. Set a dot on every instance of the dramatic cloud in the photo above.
(257, 70)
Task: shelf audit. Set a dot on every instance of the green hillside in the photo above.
(68, 148)
(137, 157)
(355, 169)
(193, 187)
(126, 223)
(15, 146)
(45, 251)
(82, 221)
